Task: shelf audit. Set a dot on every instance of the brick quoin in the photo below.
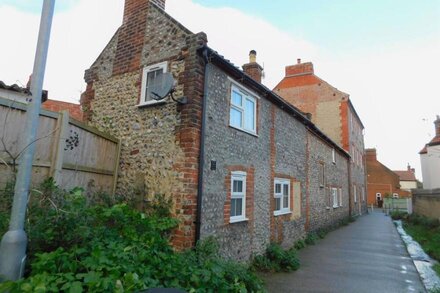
(188, 138)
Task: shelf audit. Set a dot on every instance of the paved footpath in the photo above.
(365, 256)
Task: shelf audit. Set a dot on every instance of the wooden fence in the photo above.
(71, 152)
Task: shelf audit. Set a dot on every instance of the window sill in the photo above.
(321, 186)
(327, 208)
(151, 103)
(245, 131)
(280, 213)
(238, 220)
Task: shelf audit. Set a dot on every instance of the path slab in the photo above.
(366, 256)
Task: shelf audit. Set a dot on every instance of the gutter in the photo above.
(207, 72)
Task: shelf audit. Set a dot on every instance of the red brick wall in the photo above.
(58, 106)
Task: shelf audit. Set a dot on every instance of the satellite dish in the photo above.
(163, 87)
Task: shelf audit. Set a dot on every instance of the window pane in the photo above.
(153, 79)
(249, 119)
(238, 207)
(277, 188)
(277, 204)
(235, 118)
(286, 201)
(236, 99)
(237, 186)
(285, 189)
(233, 204)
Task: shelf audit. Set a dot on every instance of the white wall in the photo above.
(431, 167)
(408, 185)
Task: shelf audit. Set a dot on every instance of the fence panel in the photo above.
(73, 153)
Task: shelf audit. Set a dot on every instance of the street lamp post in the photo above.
(14, 242)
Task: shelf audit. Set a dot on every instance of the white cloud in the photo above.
(393, 89)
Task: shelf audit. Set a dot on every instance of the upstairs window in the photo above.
(282, 196)
(151, 76)
(238, 196)
(243, 109)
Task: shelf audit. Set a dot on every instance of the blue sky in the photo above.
(346, 24)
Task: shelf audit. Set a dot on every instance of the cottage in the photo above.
(382, 182)
(238, 161)
(333, 112)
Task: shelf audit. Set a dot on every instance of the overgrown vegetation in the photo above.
(425, 231)
(276, 259)
(94, 245)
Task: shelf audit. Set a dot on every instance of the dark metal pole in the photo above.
(14, 242)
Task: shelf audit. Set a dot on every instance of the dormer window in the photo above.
(151, 76)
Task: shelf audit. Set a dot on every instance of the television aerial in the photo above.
(165, 85)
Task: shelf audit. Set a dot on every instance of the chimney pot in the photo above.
(253, 69)
(298, 60)
(252, 56)
(437, 126)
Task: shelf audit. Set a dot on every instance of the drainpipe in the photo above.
(202, 146)
(350, 195)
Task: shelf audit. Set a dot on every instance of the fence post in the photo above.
(57, 161)
(116, 167)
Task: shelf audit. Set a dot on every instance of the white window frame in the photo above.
(363, 193)
(238, 176)
(334, 191)
(283, 182)
(246, 96)
(145, 71)
(380, 196)
(395, 195)
(333, 156)
(355, 193)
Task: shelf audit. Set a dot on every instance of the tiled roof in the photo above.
(435, 141)
(424, 150)
(406, 175)
(19, 89)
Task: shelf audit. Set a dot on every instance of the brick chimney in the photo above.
(371, 154)
(299, 68)
(437, 126)
(253, 69)
(131, 35)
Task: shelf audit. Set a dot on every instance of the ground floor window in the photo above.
(238, 196)
(282, 196)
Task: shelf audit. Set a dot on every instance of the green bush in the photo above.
(311, 238)
(300, 244)
(398, 215)
(276, 259)
(78, 246)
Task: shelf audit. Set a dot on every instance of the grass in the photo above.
(427, 233)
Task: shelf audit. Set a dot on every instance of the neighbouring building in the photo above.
(333, 112)
(407, 178)
(430, 159)
(17, 93)
(382, 182)
(238, 162)
(59, 106)
(22, 95)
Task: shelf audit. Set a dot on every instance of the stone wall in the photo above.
(160, 142)
(426, 202)
(282, 148)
